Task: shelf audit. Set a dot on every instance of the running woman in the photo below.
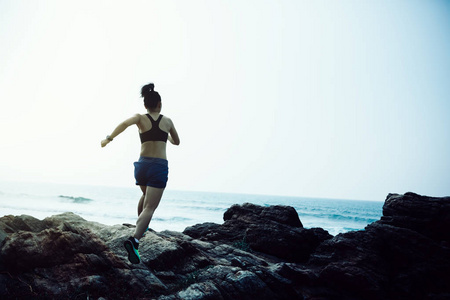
(151, 171)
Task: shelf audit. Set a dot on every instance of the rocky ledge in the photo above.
(257, 253)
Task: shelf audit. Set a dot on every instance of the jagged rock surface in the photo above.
(257, 253)
(275, 230)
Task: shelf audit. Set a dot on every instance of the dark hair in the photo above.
(151, 98)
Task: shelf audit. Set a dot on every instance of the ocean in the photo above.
(178, 209)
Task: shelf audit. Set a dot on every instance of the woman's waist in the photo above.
(153, 151)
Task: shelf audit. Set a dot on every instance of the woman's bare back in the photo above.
(156, 148)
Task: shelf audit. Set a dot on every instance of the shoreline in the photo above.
(179, 210)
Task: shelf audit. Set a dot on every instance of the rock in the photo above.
(405, 255)
(209, 231)
(204, 291)
(10, 224)
(274, 230)
(50, 247)
(399, 257)
(427, 215)
(248, 213)
(66, 259)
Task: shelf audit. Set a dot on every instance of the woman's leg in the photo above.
(141, 201)
(151, 202)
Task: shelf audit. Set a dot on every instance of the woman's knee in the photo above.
(151, 205)
(149, 210)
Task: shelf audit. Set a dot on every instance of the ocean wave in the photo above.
(339, 217)
(347, 229)
(76, 199)
(352, 218)
(173, 219)
(203, 207)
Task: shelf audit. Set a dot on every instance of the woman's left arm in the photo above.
(121, 128)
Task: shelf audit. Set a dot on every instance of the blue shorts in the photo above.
(151, 171)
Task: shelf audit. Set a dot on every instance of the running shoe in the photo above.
(132, 248)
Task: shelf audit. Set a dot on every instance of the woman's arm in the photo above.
(121, 128)
(173, 136)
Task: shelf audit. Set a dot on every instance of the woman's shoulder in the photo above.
(141, 119)
(141, 116)
(167, 121)
(166, 118)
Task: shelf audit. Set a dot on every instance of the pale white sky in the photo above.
(335, 99)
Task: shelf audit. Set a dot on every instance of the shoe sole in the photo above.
(132, 257)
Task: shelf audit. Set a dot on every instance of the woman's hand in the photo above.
(105, 142)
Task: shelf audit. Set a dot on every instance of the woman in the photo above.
(151, 171)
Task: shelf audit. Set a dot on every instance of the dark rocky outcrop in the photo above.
(275, 230)
(405, 255)
(257, 253)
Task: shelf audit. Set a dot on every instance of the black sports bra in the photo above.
(155, 133)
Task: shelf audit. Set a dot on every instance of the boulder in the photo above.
(429, 216)
(405, 255)
(273, 230)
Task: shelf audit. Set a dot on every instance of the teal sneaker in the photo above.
(132, 248)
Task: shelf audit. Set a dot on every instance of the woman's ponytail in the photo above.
(151, 98)
(146, 89)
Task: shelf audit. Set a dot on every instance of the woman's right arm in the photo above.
(173, 135)
(121, 128)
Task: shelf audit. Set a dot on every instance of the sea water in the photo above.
(178, 209)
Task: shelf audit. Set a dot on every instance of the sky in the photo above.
(329, 99)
